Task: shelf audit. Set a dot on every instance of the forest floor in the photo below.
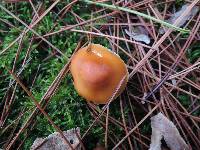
(158, 40)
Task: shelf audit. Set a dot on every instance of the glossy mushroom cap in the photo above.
(97, 73)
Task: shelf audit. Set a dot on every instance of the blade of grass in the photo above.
(139, 14)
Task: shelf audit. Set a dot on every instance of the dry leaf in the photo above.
(55, 141)
(138, 36)
(162, 127)
(155, 139)
(174, 82)
(175, 16)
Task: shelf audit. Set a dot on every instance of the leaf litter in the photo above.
(177, 14)
(162, 127)
(139, 35)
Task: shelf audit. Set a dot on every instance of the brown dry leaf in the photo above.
(55, 141)
(175, 16)
(163, 127)
(138, 35)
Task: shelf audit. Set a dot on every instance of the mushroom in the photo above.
(97, 73)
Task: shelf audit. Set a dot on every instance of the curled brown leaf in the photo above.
(163, 127)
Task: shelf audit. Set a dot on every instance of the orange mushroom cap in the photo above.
(97, 72)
